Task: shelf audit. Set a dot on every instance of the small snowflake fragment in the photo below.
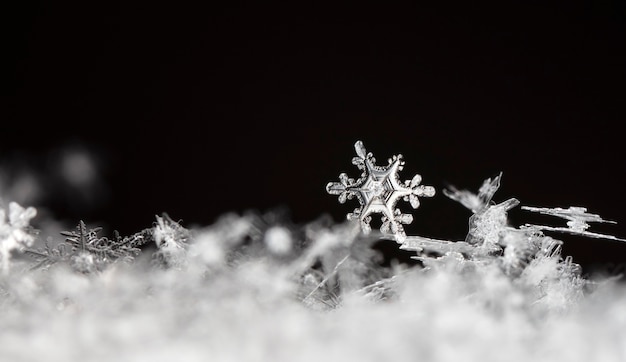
(378, 190)
(48, 255)
(475, 202)
(578, 219)
(171, 240)
(489, 220)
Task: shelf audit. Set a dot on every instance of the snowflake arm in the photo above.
(48, 255)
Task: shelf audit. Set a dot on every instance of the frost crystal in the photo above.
(487, 228)
(87, 252)
(577, 223)
(489, 219)
(14, 232)
(475, 202)
(378, 190)
(171, 240)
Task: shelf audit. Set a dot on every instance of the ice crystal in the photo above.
(88, 247)
(522, 246)
(475, 202)
(490, 239)
(489, 219)
(578, 221)
(421, 244)
(48, 255)
(87, 252)
(486, 227)
(171, 240)
(378, 190)
(15, 233)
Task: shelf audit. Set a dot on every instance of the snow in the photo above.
(254, 288)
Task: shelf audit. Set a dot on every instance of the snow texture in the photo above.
(14, 232)
(256, 287)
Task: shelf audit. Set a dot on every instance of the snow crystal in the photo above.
(578, 221)
(378, 190)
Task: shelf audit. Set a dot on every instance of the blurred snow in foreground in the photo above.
(255, 287)
(245, 289)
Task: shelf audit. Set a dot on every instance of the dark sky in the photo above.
(197, 110)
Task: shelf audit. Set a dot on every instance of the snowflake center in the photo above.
(377, 188)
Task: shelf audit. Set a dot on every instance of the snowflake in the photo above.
(378, 190)
(87, 252)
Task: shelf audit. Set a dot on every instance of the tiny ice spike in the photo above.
(378, 190)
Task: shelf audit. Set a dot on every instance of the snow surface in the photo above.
(240, 296)
(254, 287)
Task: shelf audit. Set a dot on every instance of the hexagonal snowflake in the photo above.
(378, 190)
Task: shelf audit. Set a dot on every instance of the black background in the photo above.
(198, 110)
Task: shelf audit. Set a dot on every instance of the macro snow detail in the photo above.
(488, 236)
(378, 190)
(577, 221)
(488, 219)
(87, 252)
(171, 240)
(262, 281)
